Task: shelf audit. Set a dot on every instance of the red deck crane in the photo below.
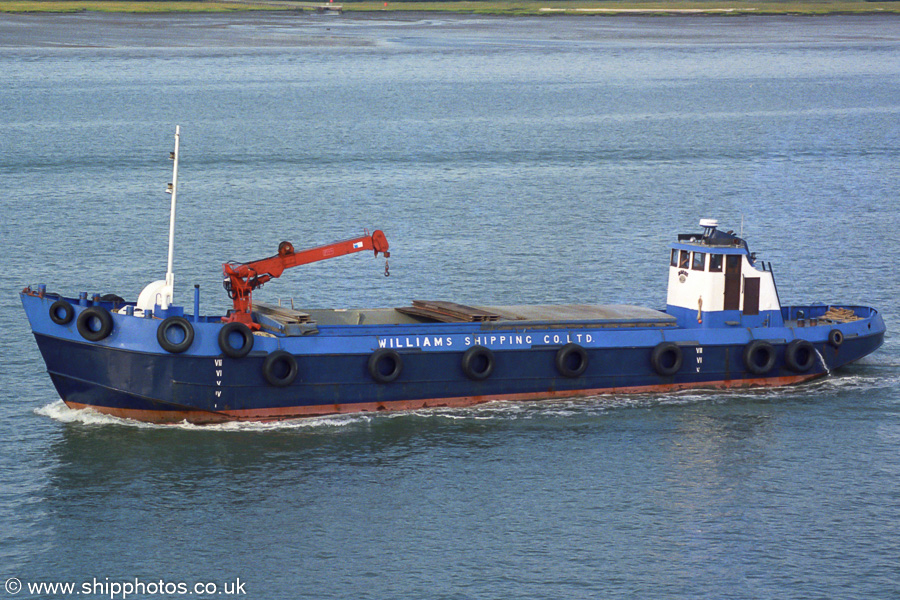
(242, 279)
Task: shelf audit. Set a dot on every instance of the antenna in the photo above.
(742, 226)
(172, 189)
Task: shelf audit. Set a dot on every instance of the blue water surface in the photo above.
(508, 160)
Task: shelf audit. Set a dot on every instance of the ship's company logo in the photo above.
(491, 341)
(416, 342)
(682, 275)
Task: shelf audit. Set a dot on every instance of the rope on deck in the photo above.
(839, 315)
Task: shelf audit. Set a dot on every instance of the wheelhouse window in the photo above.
(674, 261)
(684, 259)
(715, 263)
(699, 262)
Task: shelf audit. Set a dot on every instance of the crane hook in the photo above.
(387, 271)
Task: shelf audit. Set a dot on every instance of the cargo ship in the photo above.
(723, 327)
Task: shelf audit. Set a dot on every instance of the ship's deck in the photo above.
(302, 322)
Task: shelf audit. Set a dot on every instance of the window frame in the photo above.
(702, 266)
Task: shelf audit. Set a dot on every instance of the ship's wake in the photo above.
(58, 411)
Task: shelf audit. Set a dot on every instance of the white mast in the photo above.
(172, 189)
(160, 293)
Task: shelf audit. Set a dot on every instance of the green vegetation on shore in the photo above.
(128, 6)
(486, 7)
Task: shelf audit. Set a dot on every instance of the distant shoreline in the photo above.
(480, 7)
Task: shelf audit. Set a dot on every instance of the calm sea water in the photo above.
(508, 161)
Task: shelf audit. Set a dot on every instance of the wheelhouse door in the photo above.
(751, 296)
(732, 282)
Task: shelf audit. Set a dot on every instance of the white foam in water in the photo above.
(303, 423)
(822, 360)
(480, 412)
(58, 411)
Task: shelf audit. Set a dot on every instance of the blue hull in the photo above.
(128, 373)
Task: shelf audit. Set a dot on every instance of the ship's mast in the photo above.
(172, 189)
(158, 295)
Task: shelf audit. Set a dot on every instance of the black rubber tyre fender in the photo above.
(61, 312)
(280, 368)
(225, 343)
(162, 334)
(835, 338)
(385, 365)
(800, 356)
(85, 319)
(572, 360)
(478, 363)
(759, 357)
(666, 358)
